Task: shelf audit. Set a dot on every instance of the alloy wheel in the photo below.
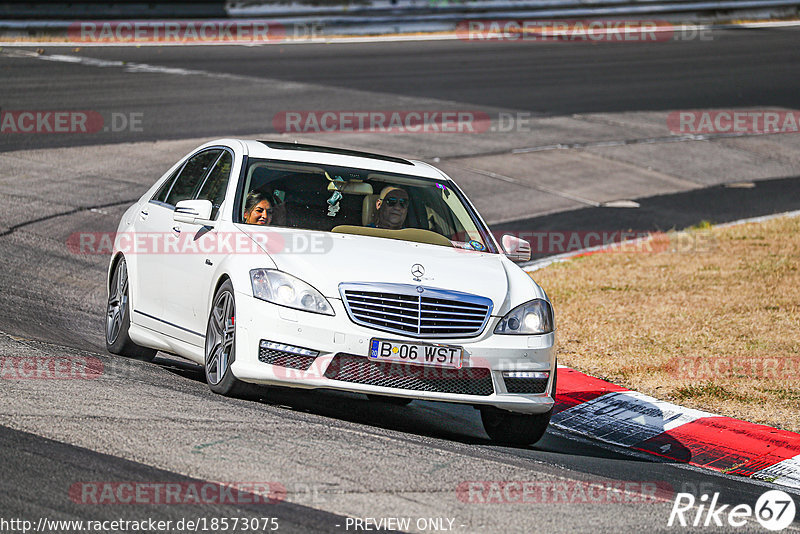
(117, 302)
(220, 339)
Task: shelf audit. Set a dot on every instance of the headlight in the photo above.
(534, 317)
(286, 290)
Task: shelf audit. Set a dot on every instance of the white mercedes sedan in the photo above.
(273, 263)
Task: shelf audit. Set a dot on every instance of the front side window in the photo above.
(331, 198)
(191, 177)
(163, 191)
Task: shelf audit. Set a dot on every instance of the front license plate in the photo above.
(432, 354)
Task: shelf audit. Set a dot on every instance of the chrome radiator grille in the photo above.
(416, 311)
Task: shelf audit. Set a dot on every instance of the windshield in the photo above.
(358, 201)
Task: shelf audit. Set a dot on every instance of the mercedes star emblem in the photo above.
(417, 270)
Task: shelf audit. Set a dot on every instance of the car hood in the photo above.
(325, 260)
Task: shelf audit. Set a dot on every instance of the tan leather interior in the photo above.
(368, 209)
(416, 235)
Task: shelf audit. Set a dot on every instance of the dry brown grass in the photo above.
(714, 327)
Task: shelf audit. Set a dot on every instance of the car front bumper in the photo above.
(340, 344)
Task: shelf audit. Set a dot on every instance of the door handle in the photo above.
(176, 229)
(143, 214)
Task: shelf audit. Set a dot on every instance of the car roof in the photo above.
(327, 155)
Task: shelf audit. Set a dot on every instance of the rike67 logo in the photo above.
(774, 510)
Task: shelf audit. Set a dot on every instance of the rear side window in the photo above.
(191, 176)
(216, 184)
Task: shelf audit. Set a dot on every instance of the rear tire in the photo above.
(220, 350)
(118, 318)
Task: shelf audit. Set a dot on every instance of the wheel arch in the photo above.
(111, 268)
(221, 280)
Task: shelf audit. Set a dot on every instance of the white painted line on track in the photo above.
(133, 67)
(642, 141)
(326, 40)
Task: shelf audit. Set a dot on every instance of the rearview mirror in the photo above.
(193, 212)
(516, 249)
(352, 187)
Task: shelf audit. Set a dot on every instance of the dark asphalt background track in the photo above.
(734, 69)
(662, 213)
(743, 68)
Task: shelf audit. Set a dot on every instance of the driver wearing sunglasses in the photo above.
(391, 208)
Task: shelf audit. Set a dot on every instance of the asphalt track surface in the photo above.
(241, 93)
(337, 454)
(663, 213)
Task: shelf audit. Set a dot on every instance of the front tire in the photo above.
(394, 401)
(514, 428)
(220, 350)
(518, 429)
(118, 318)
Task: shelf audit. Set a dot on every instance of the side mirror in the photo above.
(518, 250)
(193, 212)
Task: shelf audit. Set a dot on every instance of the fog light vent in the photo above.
(529, 382)
(285, 355)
